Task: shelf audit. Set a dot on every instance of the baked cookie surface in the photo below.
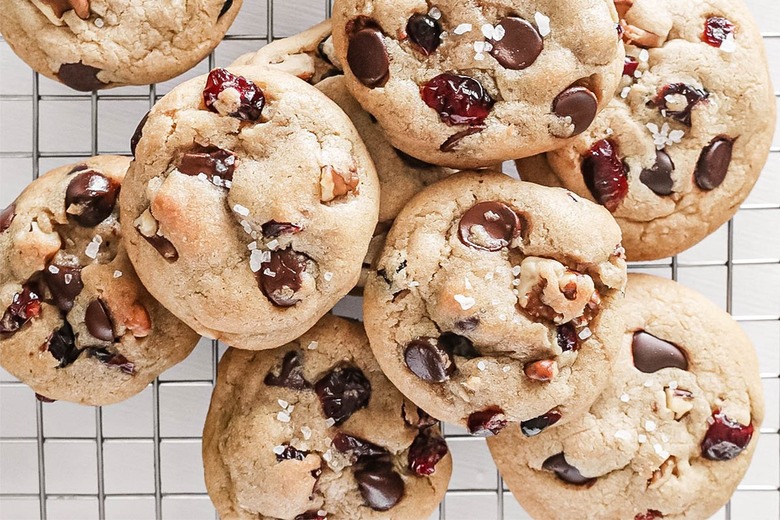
(95, 44)
(672, 435)
(250, 205)
(465, 85)
(684, 140)
(494, 301)
(77, 324)
(314, 430)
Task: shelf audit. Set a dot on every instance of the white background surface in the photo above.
(72, 126)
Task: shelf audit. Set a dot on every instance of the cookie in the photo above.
(672, 435)
(95, 44)
(250, 205)
(308, 56)
(466, 85)
(314, 430)
(680, 146)
(490, 288)
(77, 325)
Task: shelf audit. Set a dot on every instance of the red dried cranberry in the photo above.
(342, 392)
(426, 451)
(567, 337)
(25, 306)
(357, 447)
(487, 422)
(112, 359)
(424, 32)
(651, 514)
(725, 438)
(291, 453)
(537, 425)
(630, 64)
(693, 96)
(716, 31)
(605, 174)
(459, 100)
(251, 101)
(290, 375)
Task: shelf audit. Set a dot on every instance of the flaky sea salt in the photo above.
(257, 258)
(650, 425)
(625, 398)
(270, 273)
(283, 403)
(434, 13)
(623, 435)
(328, 276)
(481, 365)
(644, 55)
(93, 247)
(117, 273)
(313, 345)
(330, 421)
(641, 438)
(516, 270)
(241, 210)
(625, 92)
(506, 368)
(273, 244)
(462, 28)
(53, 269)
(729, 44)
(306, 432)
(466, 302)
(542, 23)
(283, 417)
(279, 449)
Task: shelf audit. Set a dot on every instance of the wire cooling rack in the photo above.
(141, 459)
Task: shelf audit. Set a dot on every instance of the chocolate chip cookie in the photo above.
(77, 324)
(672, 435)
(488, 289)
(467, 85)
(250, 205)
(309, 56)
(684, 140)
(314, 430)
(96, 44)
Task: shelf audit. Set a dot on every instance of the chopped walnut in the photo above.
(146, 224)
(138, 321)
(679, 401)
(335, 183)
(550, 290)
(543, 370)
(55, 9)
(664, 473)
(636, 36)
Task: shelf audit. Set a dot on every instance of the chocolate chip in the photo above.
(565, 471)
(451, 142)
(489, 226)
(520, 46)
(424, 32)
(537, 425)
(367, 55)
(44, 399)
(290, 374)
(458, 345)
(273, 229)
(280, 277)
(566, 336)
(412, 162)
(487, 422)
(64, 283)
(80, 77)
(62, 345)
(163, 246)
(342, 392)
(357, 447)
(713, 163)
(468, 325)
(380, 485)
(659, 177)
(78, 168)
(7, 216)
(225, 8)
(139, 131)
(693, 96)
(579, 104)
(25, 306)
(90, 198)
(651, 354)
(291, 453)
(98, 322)
(428, 361)
(650, 514)
(213, 162)
(112, 359)
(312, 515)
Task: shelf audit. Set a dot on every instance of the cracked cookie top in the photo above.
(314, 430)
(684, 140)
(480, 83)
(670, 437)
(250, 205)
(494, 300)
(94, 44)
(76, 322)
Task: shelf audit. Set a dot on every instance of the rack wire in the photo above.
(141, 459)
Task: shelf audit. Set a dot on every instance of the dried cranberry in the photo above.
(537, 425)
(290, 375)
(426, 451)
(251, 97)
(291, 453)
(693, 96)
(273, 229)
(605, 174)
(487, 422)
(725, 438)
(567, 337)
(716, 31)
(424, 32)
(459, 100)
(356, 446)
(25, 306)
(342, 392)
(112, 359)
(651, 514)
(91, 197)
(62, 345)
(630, 64)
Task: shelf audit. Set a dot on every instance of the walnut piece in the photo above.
(336, 183)
(548, 289)
(543, 370)
(55, 9)
(679, 401)
(146, 224)
(138, 321)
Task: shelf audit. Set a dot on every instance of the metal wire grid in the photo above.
(468, 501)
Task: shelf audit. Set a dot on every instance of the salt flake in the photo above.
(462, 28)
(466, 302)
(542, 23)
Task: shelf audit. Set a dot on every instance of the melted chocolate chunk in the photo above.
(139, 132)
(112, 359)
(413, 162)
(291, 453)
(367, 55)
(225, 8)
(163, 246)
(90, 198)
(693, 96)
(428, 360)
(62, 345)
(380, 485)
(537, 425)
(25, 306)
(567, 337)
(342, 392)
(290, 374)
(565, 471)
(651, 354)
(64, 283)
(487, 422)
(98, 321)
(424, 32)
(520, 46)
(213, 162)
(80, 77)
(489, 226)
(579, 104)
(357, 447)
(273, 229)
(280, 277)
(458, 345)
(659, 177)
(713, 163)
(7, 217)
(451, 142)
(44, 399)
